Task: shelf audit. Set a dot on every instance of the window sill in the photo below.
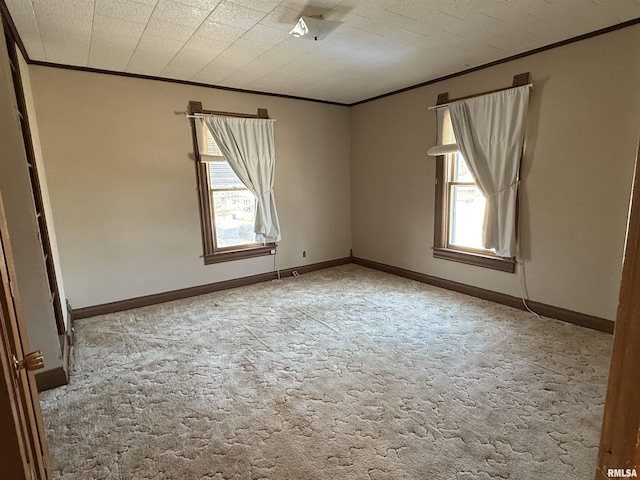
(503, 264)
(230, 255)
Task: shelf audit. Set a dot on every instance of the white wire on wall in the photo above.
(524, 293)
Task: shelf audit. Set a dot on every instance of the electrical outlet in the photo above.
(304, 254)
(273, 251)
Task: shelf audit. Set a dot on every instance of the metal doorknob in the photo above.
(31, 361)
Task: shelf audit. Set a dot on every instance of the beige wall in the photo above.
(123, 190)
(15, 188)
(122, 182)
(582, 135)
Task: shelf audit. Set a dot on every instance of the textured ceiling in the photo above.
(381, 45)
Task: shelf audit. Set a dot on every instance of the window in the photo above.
(227, 207)
(460, 208)
(233, 205)
(465, 207)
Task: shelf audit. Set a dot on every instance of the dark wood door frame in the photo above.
(32, 166)
(620, 439)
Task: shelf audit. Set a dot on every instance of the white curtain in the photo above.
(446, 140)
(249, 147)
(489, 131)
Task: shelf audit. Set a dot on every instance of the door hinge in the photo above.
(11, 290)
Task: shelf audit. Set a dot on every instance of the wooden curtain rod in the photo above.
(194, 110)
(520, 80)
(222, 114)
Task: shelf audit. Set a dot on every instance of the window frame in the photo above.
(442, 249)
(212, 253)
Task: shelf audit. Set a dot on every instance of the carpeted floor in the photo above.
(340, 374)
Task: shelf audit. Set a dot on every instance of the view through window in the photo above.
(466, 206)
(233, 212)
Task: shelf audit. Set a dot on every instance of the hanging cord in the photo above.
(524, 294)
(276, 271)
(523, 288)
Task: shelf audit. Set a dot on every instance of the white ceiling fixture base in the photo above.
(313, 28)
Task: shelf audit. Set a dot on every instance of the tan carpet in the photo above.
(341, 374)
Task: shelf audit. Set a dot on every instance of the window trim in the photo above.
(211, 254)
(441, 248)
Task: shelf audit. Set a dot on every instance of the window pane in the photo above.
(222, 177)
(466, 214)
(445, 129)
(461, 172)
(233, 217)
(212, 146)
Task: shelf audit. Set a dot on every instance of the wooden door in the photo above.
(23, 447)
(619, 454)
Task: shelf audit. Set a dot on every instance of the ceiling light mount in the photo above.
(313, 27)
